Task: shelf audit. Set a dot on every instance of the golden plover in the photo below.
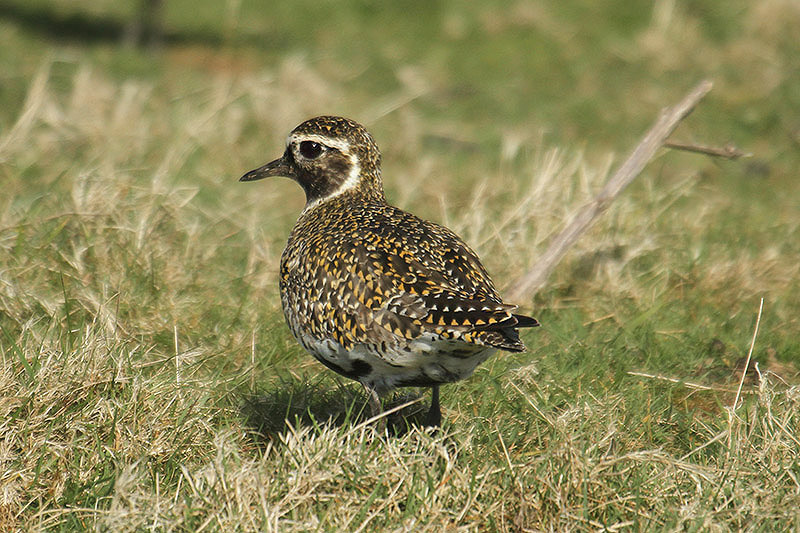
(374, 293)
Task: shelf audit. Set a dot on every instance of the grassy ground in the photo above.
(148, 381)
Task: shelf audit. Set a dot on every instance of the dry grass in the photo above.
(139, 323)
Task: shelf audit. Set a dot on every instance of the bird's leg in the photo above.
(375, 407)
(434, 416)
(374, 400)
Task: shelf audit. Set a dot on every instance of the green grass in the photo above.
(147, 379)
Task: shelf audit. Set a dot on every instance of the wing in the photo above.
(424, 280)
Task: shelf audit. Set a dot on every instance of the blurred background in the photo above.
(582, 72)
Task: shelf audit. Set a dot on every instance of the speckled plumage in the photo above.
(373, 292)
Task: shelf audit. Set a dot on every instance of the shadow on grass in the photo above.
(93, 28)
(290, 402)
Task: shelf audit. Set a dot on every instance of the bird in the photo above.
(373, 292)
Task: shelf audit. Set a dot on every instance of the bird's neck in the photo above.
(365, 190)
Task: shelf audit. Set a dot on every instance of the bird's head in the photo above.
(328, 156)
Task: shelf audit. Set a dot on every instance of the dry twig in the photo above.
(527, 285)
(728, 151)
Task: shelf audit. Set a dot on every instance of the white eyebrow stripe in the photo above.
(340, 144)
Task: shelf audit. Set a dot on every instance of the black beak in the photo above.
(279, 167)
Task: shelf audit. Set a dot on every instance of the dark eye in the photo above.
(310, 149)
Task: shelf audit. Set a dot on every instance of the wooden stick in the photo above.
(728, 151)
(526, 286)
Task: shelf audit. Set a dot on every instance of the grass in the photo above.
(147, 380)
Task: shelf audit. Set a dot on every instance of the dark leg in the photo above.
(434, 416)
(374, 400)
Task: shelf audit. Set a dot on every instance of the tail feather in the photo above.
(526, 321)
(506, 336)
